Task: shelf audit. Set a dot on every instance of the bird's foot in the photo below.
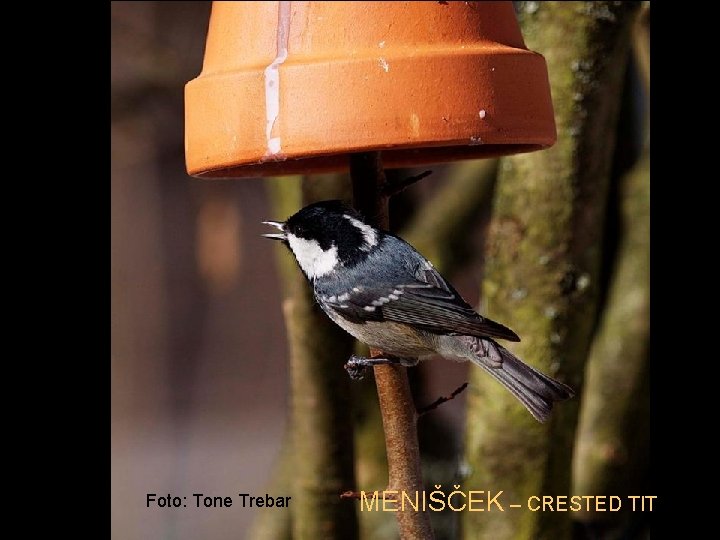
(357, 365)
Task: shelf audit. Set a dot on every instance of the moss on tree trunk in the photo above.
(543, 259)
(613, 439)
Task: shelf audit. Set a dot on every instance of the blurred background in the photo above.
(200, 381)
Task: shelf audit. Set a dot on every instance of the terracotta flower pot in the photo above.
(297, 86)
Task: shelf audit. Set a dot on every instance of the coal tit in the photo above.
(379, 289)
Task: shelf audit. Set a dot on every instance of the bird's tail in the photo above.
(534, 389)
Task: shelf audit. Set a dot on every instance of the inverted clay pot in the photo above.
(296, 86)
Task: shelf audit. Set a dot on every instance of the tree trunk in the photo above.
(321, 409)
(271, 523)
(543, 260)
(613, 440)
(611, 449)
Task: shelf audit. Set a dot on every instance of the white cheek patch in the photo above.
(313, 260)
(367, 231)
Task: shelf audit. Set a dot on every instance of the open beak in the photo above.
(279, 225)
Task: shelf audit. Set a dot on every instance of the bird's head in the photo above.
(324, 235)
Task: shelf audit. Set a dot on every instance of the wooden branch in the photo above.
(442, 399)
(392, 189)
(443, 229)
(357, 495)
(396, 403)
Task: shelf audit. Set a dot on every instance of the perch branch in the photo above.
(396, 403)
(443, 229)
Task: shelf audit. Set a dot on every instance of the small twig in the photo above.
(439, 401)
(356, 495)
(390, 190)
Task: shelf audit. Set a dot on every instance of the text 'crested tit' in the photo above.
(379, 289)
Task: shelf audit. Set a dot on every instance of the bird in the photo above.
(382, 291)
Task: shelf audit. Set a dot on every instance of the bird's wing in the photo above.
(427, 302)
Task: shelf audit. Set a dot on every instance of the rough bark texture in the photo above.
(321, 410)
(321, 422)
(542, 264)
(371, 467)
(611, 448)
(396, 403)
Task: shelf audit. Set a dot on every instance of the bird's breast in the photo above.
(390, 337)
